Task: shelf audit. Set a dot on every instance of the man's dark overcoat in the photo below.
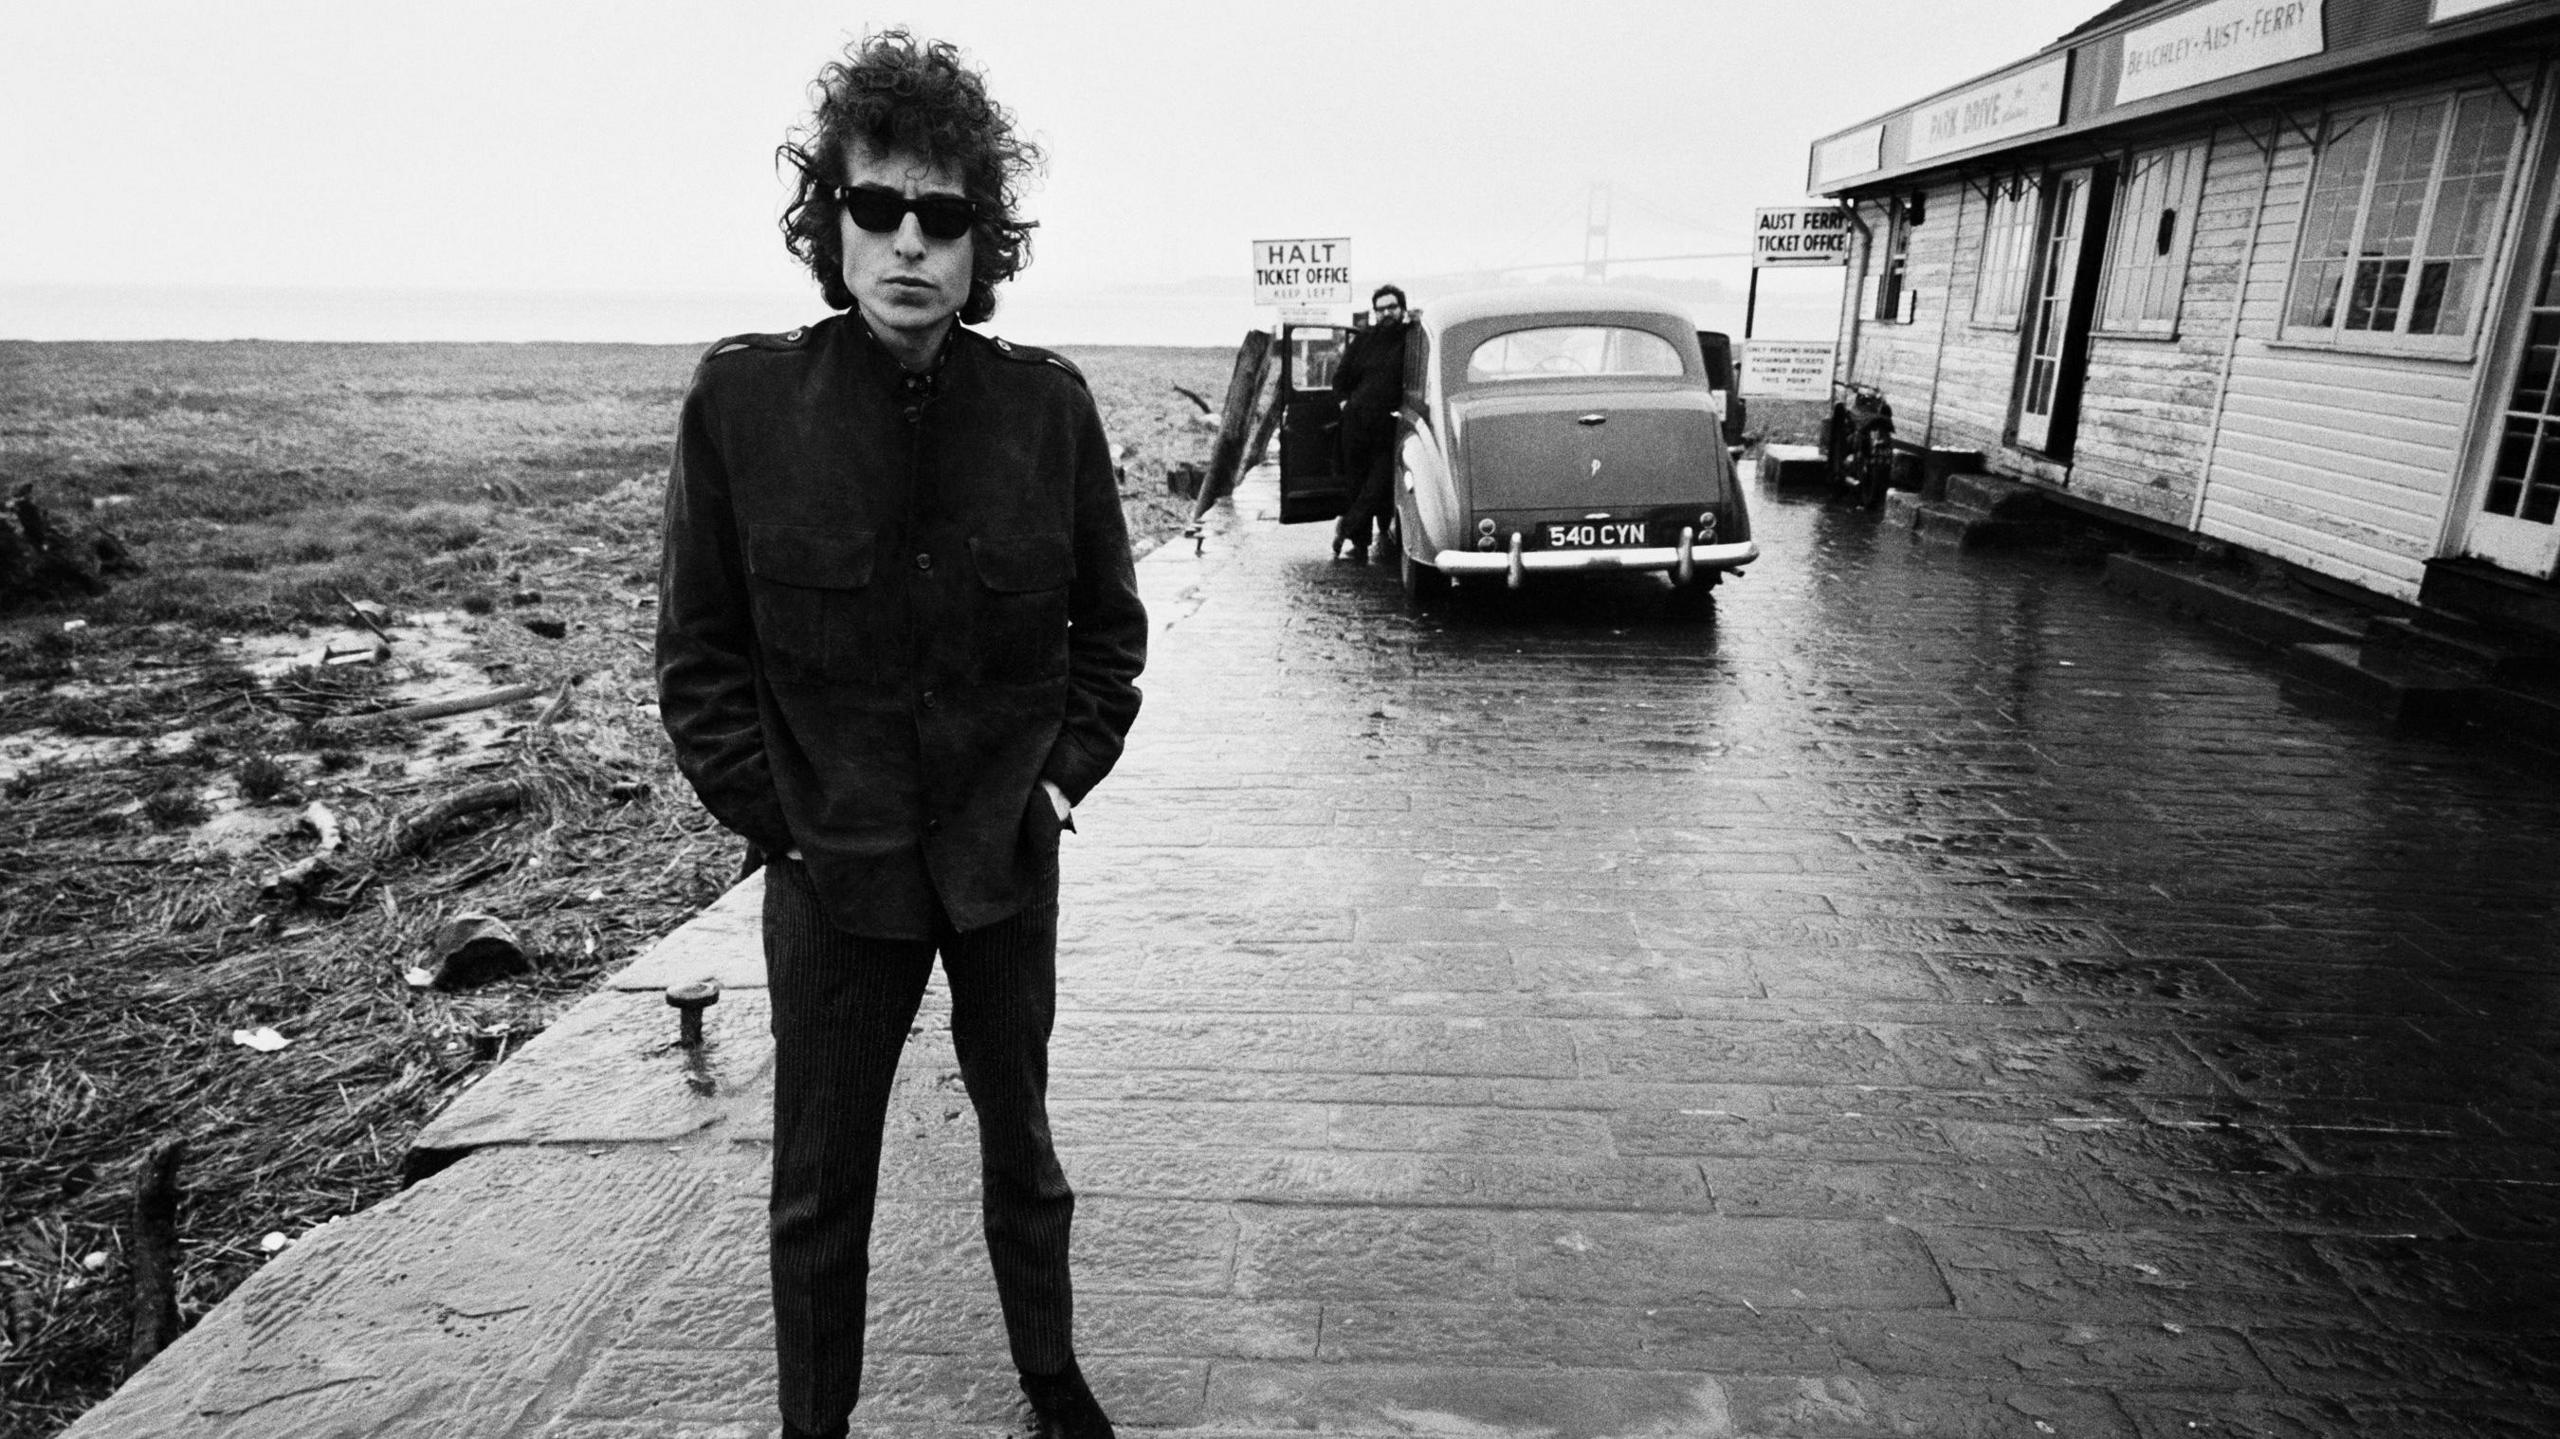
(889, 608)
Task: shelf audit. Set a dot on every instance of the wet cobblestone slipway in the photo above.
(1938, 996)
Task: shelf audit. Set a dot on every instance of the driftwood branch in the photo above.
(418, 829)
(368, 620)
(559, 707)
(431, 709)
(155, 1254)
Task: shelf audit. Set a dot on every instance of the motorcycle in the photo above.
(1861, 442)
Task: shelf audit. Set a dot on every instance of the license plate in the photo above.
(1595, 534)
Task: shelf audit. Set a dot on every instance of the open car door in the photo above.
(1312, 486)
(1718, 350)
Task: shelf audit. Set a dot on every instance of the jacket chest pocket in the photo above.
(1022, 605)
(807, 587)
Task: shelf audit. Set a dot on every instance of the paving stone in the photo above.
(1838, 1138)
(1724, 1340)
(1166, 974)
(2105, 1061)
(1334, 1254)
(1710, 1051)
(1676, 972)
(609, 1072)
(2500, 1286)
(1318, 1042)
(2117, 1144)
(1439, 1129)
(2101, 1355)
(1896, 1192)
(2294, 1203)
(1664, 1260)
(2222, 1278)
(2341, 1362)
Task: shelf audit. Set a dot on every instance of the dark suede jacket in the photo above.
(884, 617)
(1370, 378)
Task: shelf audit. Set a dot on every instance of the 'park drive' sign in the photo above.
(1803, 235)
(1302, 272)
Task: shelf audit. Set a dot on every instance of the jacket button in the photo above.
(929, 699)
(924, 562)
(933, 826)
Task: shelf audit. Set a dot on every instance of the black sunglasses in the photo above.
(880, 210)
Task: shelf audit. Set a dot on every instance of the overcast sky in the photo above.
(158, 146)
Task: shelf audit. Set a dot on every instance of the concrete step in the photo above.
(2529, 712)
(2268, 615)
(1974, 527)
(2002, 498)
(2411, 696)
(2482, 591)
(1795, 467)
(2465, 646)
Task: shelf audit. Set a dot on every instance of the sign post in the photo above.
(1302, 273)
(1790, 238)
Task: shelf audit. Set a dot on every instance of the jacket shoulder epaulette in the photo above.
(739, 344)
(1034, 355)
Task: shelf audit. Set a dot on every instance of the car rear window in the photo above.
(1551, 351)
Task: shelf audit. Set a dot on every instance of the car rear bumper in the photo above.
(1667, 557)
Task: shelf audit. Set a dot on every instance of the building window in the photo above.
(1893, 277)
(2402, 211)
(2008, 253)
(2148, 240)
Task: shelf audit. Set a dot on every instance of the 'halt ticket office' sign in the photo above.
(1803, 235)
(1786, 369)
(1308, 274)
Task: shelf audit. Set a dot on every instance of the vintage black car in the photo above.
(1546, 431)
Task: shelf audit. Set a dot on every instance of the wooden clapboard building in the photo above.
(2280, 273)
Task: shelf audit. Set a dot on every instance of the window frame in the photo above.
(2181, 195)
(2335, 126)
(1603, 327)
(2023, 195)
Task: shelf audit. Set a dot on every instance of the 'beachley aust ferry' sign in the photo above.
(2212, 41)
(2015, 104)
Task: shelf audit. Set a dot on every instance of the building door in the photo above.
(2054, 351)
(2517, 525)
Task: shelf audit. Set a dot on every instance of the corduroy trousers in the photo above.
(842, 1006)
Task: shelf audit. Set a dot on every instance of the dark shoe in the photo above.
(1359, 554)
(1065, 1406)
(793, 1431)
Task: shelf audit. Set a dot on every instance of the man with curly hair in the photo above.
(899, 638)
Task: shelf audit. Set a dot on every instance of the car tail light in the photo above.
(1707, 527)
(1484, 533)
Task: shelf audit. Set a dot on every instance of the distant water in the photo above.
(1173, 315)
(1195, 312)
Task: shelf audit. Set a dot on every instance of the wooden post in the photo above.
(1273, 406)
(155, 1254)
(1251, 358)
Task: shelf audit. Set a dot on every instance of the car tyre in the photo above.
(1695, 600)
(1422, 583)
